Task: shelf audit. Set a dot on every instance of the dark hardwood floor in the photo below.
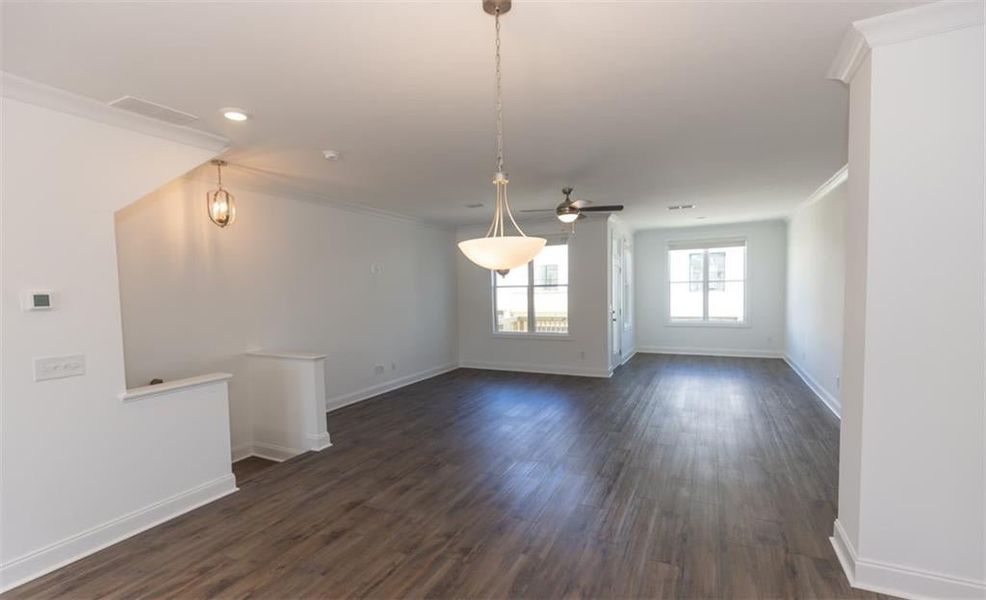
(679, 477)
(248, 468)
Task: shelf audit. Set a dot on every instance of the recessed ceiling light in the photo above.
(235, 114)
(687, 206)
(331, 155)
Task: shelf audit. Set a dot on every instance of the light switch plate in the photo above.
(56, 367)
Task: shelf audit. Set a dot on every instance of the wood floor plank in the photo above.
(680, 477)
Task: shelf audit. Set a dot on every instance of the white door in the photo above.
(616, 303)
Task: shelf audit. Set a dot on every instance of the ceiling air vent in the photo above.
(154, 111)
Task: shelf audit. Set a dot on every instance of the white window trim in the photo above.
(704, 243)
(544, 335)
(520, 335)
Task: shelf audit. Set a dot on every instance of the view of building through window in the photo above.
(534, 298)
(708, 284)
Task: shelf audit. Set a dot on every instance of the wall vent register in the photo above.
(153, 110)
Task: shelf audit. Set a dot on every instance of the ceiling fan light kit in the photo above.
(570, 210)
(498, 251)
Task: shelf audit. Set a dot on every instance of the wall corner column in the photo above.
(912, 472)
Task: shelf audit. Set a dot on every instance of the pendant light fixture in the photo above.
(219, 202)
(498, 251)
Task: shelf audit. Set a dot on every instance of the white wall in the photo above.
(78, 465)
(912, 495)
(287, 405)
(584, 351)
(287, 275)
(816, 271)
(766, 269)
(854, 306)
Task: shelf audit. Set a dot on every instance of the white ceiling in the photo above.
(649, 104)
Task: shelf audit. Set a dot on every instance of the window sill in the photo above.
(552, 337)
(713, 324)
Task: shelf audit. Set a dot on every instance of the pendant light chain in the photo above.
(499, 97)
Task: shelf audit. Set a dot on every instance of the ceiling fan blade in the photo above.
(581, 203)
(534, 210)
(606, 208)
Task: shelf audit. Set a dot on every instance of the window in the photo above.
(707, 282)
(534, 298)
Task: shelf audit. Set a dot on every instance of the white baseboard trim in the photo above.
(629, 355)
(274, 452)
(338, 402)
(268, 451)
(894, 580)
(724, 352)
(51, 557)
(844, 551)
(543, 370)
(241, 451)
(277, 453)
(828, 399)
(317, 443)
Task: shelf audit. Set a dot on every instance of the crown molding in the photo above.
(850, 55)
(902, 26)
(277, 187)
(823, 190)
(39, 94)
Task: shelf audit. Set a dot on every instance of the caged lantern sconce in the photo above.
(219, 202)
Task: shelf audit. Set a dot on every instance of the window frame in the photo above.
(705, 245)
(542, 335)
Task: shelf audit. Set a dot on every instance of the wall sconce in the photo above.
(219, 202)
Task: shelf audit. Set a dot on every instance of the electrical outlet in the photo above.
(56, 367)
(378, 369)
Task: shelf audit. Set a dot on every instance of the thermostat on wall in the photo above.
(37, 300)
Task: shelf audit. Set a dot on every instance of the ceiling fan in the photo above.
(571, 210)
